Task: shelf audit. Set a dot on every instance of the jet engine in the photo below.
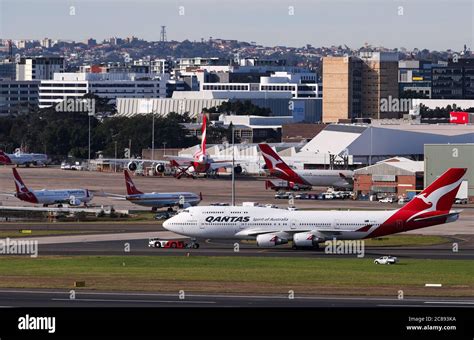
(132, 166)
(238, 169)
(160, 168)
(270, 240)
(306, 240)
(74, 201)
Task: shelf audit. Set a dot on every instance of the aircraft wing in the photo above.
(451, 214)
(108, 195)
(5, 193)
(256, 232)
(179, 160)
(220, 165)
(137, 160)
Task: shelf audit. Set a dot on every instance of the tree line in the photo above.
(63, 134)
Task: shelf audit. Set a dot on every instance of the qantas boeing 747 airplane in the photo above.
(272, 226)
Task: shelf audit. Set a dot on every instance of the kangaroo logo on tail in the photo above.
(131, 188)
(432, 195)
(276, 165)
(22, 192)
(202, 152)
(20, 186)
(4, 158)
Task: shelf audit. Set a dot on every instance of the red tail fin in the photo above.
(131, 188)
(438, 196)
(277, 166)
(4, 159)
(203, 130)
(20, 186)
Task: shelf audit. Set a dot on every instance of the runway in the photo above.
(62, 298)
(140, 247)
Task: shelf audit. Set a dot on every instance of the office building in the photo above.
(39, 68)
(455, 81)
(17, 96)
(355, 87)
(7, 70)
(342, 77)
(104, 85)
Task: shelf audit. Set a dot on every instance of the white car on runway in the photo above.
(386, 260)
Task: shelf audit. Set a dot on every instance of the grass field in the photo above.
(240, 274)
(406, 240)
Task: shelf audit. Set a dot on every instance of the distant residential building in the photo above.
(161, 66)
(17, 96)
(455, 81)
(21, 44)
(105, 85)
(46, 43)
(91, 42)
(39, 68)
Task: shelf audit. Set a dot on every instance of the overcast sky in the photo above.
(432, 24)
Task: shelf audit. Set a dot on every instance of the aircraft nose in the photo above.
(168, 224)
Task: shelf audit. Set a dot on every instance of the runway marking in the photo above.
(452, 302)
(368, 298)
(402, 305)
(140, 301)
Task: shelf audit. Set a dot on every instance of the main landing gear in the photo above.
(193, 244)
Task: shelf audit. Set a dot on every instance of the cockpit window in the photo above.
(186, 210)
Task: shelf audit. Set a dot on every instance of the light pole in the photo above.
(152, 130)
(233, 168)
(115, 162)
(164, 148)
(89, 157)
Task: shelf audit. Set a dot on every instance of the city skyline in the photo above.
(385, 23)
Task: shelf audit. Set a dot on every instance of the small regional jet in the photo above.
(273, 226)
(156, 200)
(321, 178)
(74, 197)
(19, 158)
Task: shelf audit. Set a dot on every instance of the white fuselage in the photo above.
(28, 158)
(159, 200)
(241, 222)
(68, 196)
(327, 178)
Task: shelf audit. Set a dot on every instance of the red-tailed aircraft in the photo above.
(201, 162)
(329, 178)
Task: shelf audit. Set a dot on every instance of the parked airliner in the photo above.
(321, 178)
(201, 162)
(157, 199)
(19, 158)
(73, 197)
(273, 226)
